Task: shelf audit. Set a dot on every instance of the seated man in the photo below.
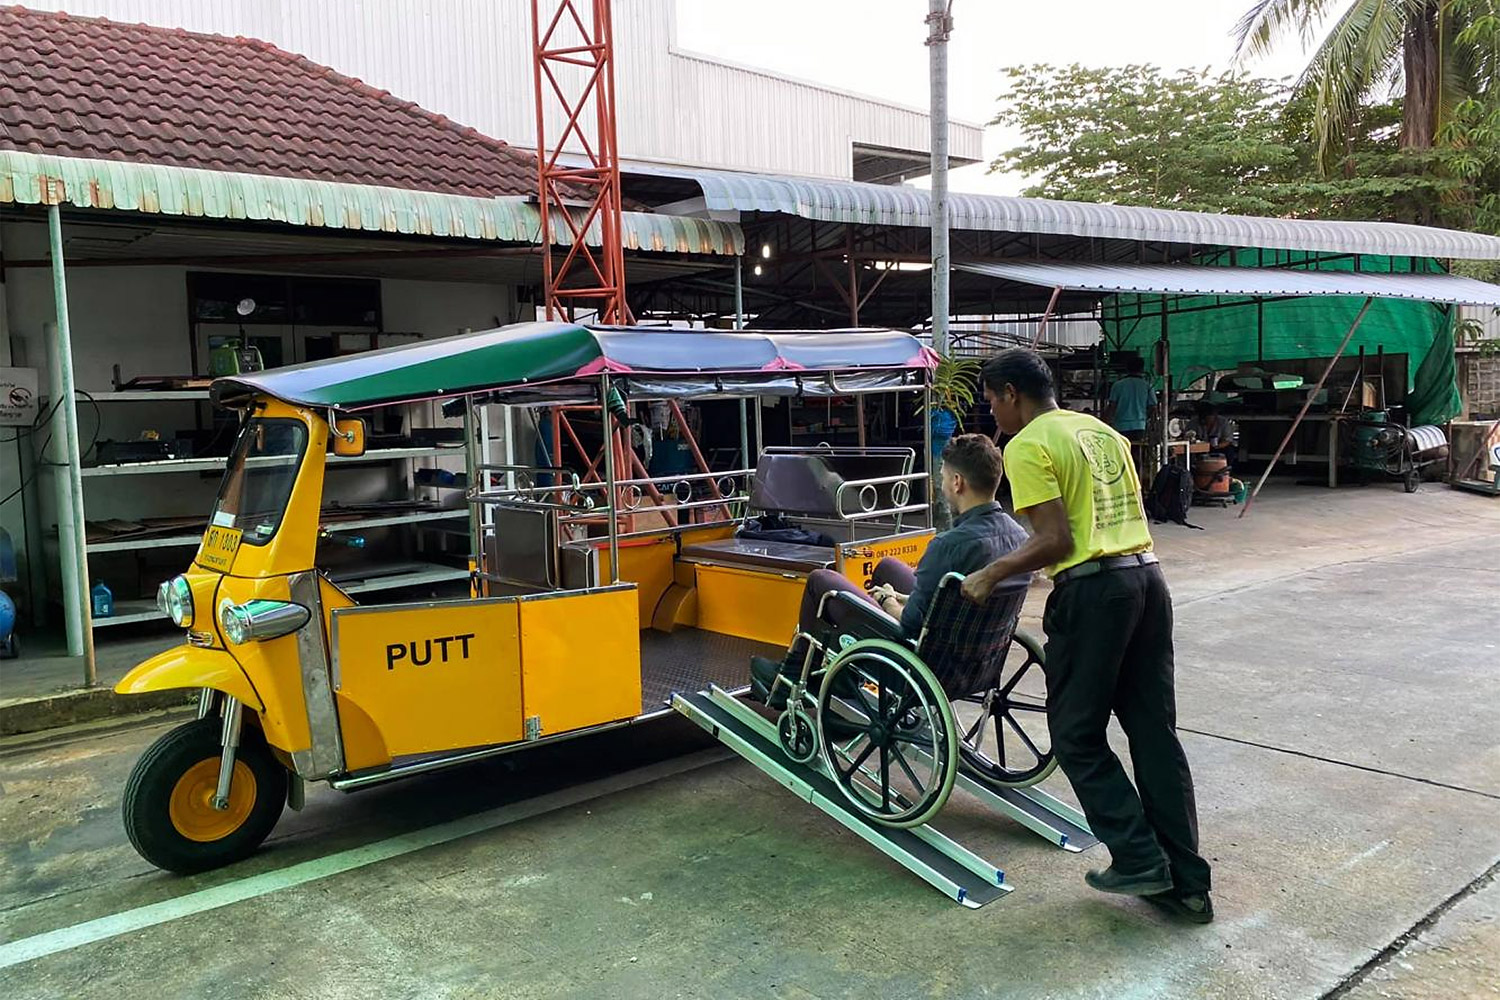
(981, 532)
(1212, 427)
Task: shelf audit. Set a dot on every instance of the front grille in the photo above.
(203, 640)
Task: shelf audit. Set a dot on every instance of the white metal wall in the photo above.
(471, 61)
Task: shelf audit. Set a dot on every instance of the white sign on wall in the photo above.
(18, 397)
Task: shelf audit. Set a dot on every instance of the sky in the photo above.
(876, 47)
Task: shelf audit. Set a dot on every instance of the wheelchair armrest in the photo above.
(860, 616)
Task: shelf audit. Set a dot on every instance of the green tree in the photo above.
(1135, 135)
(1226, 143)
(1424, 50)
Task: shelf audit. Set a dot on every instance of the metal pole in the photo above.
(472, 485)
(1306, 403)
(739, 324)
(739, 293)
(859, 401)
(607, 424)
(72, 536)
(760, 427)
(1042, 326)
(1165, 410)
(939, 25)
(934, 494)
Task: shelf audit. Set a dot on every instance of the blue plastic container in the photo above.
(103, 600)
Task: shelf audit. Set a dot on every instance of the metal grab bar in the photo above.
(629, 508)
(900, 495)
(870, 515)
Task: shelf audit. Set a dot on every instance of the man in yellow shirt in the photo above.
(1109, 634)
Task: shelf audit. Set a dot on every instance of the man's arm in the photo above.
(935, 563)
(1051, 541)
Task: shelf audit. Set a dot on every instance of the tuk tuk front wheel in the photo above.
(168, 807)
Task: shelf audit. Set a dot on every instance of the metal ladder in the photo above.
(943, 863)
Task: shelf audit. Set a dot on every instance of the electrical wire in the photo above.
(43, 421)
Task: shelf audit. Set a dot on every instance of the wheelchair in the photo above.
(895, 720)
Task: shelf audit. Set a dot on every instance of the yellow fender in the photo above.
(191, 667)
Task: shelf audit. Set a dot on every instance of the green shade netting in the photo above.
(1237, 330)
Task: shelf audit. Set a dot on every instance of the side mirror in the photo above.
(349, 438)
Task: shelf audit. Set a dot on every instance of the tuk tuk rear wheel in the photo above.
(167, 809)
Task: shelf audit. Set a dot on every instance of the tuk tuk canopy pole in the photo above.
(72, 536)
(1306, 405)
(609, 481)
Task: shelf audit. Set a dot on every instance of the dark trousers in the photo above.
(1109, 649)
(889, 571)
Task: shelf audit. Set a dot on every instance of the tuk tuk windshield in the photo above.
(258, 483)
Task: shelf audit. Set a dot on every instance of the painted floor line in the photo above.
(214, 897)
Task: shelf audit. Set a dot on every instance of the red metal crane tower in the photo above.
(574, 66)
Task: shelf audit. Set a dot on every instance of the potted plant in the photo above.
(954, 383)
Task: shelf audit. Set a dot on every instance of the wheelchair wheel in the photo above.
(1003, 737)
(887, 733)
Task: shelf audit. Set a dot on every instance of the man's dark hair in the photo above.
(1135, 365)
(976, 458)
(1022, 368)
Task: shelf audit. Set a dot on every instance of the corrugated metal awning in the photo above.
(900, 205)
(1238, 282)
(32, 179)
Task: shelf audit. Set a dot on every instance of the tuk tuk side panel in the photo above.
(428, 677)
(650, 563)
(857, 560)
(751, 605)
(580, 658)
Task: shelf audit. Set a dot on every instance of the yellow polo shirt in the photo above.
(1085, 463)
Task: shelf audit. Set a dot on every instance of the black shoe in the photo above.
(763, 686)
(1147, 883)
(1194, 907)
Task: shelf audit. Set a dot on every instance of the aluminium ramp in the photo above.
(943, 863)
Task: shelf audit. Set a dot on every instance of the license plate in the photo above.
(218, 548)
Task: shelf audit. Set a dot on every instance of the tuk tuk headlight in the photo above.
(174, 598)
(257, 620)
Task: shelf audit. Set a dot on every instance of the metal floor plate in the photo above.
(690, 659)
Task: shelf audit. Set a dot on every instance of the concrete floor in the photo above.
(1337, 693)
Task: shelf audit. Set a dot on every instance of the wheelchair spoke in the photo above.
(974, 730)
(885, 779)
(1024, 738)
(854, 764)
(901, 759)
(915, 740)
(1016, 678)
(999, 741)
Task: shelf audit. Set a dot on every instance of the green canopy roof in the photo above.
(531, 362)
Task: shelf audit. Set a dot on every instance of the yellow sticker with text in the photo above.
(857, 560)
(218, 548)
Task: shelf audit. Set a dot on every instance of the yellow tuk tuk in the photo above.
(596, 592)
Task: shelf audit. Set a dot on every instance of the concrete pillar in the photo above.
(72, 541)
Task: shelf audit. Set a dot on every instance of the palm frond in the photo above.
(1357, 53)
(1267, 21)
